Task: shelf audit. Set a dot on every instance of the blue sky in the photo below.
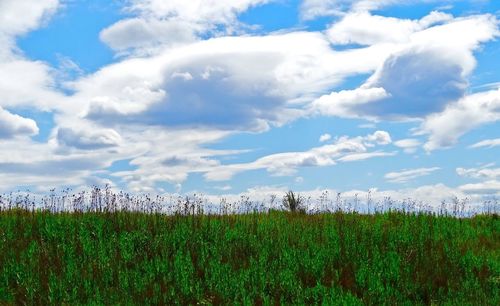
(252, 96)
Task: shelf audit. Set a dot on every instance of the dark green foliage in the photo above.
(262, 259)
(293, 202)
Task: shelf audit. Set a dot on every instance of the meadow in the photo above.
(105, 256)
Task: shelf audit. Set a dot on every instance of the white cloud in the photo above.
(88, 138)
(30, 84)
(233, 83)
(41, 165)
(285, 164)
(162, 109)
(409, 145)
(405, 176)
(147, 34)
(19, 17)
(340, 103)
(366, 29)
(433, 195)
(310, 9)
(224, 188)
(204, 11)
(431, 72)
(166, 23)
(364, 156)
(168, 155)
(424, 76)
(368, 5)
(488, 86)
(419, 75)
(292, 69)
(27, 83)
(488, 143)
(486, 188)
(325, 137)
(380, 138)
(486, 173)
(24, 82)
(12, 125)
(215, 84)
(447, 127)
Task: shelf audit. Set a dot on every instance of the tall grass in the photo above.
(105, 247)
(257, 258)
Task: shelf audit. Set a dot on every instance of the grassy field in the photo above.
(262, 259)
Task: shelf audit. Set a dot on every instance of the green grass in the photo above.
(338, 259)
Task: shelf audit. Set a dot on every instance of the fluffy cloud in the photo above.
(311, 9)
(88, 139)
(379, 137)
(484, 188)
(230, 82)
(12, 125)
(284, 164)
(27, 83)
(366, 29)
(163, 23)
(146, 34)
(325, 137)
(409, 145)
(418, 82)
(426, 70)
(24, 82)
(159, 111)
(341, 103)
(19, 17)
(218, 88)
(215, 84)
(221, 85)
(170, 157)
(174, 160)
(30, 84)
(41, 166)
(408, 175)
(447, 127)
(485, 173)
(204, 11)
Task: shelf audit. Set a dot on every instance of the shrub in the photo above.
(294, 202)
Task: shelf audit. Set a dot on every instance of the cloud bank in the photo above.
(188, 75)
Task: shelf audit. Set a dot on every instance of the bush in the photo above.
(293, 202)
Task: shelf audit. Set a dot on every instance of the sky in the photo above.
(232, 97)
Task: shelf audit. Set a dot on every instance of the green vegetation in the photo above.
(262, 258)
(293, 202)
